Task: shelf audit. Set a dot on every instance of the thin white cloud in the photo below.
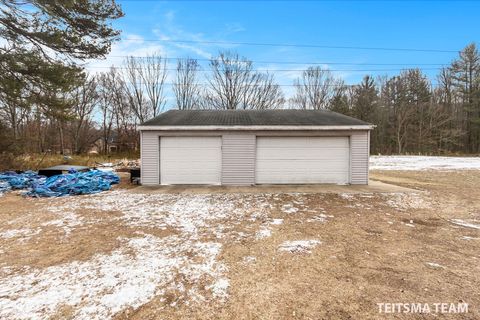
(234, 27)
(135, 46)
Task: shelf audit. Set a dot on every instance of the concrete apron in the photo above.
(372, 187)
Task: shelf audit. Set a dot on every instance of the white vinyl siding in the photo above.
(302, 160)
(238, 159)
(149, 158)
(360, 146)
(190, 160)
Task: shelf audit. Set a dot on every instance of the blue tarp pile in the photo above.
(12, 180)
(72, 183)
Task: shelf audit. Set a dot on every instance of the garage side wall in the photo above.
(238, 159)
(359, 156)
(149, 157)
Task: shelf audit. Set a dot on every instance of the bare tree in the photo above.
(108, 83)
(186, 88)
(14, 108)
(315, 89)
(235, 85)
(263, 93)
(144, 84)
(134, 89)
(85, 99)
(119, 119)
(153, 74)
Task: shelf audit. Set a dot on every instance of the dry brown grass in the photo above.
(368, 253)
(35, 161)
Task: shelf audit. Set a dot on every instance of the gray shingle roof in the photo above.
(283, 117)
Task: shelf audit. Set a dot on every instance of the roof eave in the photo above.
(253, 128)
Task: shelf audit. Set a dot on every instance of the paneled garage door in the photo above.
(190, 160)
(298, 160)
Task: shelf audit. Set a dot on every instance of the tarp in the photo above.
(21, 180)
(4, 187)
(72, 183)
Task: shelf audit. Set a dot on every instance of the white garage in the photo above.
(191, 160)
(248, 147)
(300, 160)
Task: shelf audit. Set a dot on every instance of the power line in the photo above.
(294, 62)
(268, 70)
(259, 85)
(266, 44)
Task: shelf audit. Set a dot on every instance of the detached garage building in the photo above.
(247, 147)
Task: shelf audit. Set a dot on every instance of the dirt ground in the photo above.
(130, 254)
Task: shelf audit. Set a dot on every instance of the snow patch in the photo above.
(289, 209)
(435, 265)
(66, 221)
(424, 163)
(469, 238)
(220, 288)
(190, 214)
(107, 284)
(465, 224)
(319, 218)
(276, 222)
(22, 234)
(406, 201)
(264, 232)
(347, 196)
(249, 259)
(299, 246)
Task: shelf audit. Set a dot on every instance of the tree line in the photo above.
(49, 102)
(411, 114)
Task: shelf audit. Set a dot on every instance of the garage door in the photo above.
(297, 160)
(190, 160)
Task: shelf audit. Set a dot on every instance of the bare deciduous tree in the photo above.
(108, 83)
(144, 85)
(235, 85)
(263, 93)
(186, 88)
(315, 89)
(85, 99)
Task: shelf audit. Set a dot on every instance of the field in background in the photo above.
(37, 161)
(391, 162)
(424, 163)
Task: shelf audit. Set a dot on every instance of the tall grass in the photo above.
(35, 161)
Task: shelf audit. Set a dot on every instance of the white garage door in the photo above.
(297, 160)
(190, 160)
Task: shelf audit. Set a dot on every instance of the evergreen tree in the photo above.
(466, 75)
(365, 100)
(43, 42)
(341, 100)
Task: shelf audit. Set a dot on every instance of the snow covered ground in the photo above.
(145, 265)
(424, 163)
(170, 247)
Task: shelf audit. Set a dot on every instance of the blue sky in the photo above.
(440, 25)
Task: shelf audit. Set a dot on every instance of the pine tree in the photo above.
(44, 40)
(466, 74)
(366, 99)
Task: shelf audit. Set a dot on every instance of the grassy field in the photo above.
(37, 161)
